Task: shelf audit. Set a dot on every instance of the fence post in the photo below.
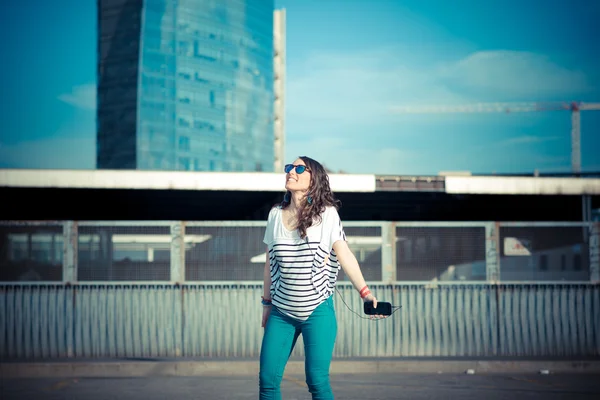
(594, 249)
(388, 252)
(492, 256)
(177, 252)
(70, 245)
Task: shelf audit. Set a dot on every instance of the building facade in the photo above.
(279, 87)
(186, 85)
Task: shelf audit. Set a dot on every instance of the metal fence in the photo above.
(175, 289)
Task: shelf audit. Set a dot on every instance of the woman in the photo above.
(305, 241)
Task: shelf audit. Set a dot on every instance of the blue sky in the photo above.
(348, 63)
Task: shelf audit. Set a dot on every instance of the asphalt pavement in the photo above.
(345, 386)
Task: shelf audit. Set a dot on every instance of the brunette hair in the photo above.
(319, 193)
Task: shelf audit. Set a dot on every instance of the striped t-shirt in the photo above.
(300, 278)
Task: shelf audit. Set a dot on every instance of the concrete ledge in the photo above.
(143, 368)
(521, 185)
(171, 180)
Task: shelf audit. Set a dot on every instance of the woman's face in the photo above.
(295, 181)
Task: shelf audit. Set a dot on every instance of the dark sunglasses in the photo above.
(299, 168)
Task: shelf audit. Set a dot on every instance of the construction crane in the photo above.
(574, 107)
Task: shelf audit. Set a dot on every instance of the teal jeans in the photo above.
(281, 332)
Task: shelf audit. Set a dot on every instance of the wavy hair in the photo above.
(320, 193)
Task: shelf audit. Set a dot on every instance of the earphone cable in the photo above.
(396, 308)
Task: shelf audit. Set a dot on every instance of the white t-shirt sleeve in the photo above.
(268, 237)
(334, 230)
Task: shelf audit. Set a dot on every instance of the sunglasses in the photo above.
(299, 168)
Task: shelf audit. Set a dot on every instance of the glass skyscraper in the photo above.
(185, 85)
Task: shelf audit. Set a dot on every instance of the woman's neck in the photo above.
(295, 202)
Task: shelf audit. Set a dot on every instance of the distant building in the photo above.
(188, 85)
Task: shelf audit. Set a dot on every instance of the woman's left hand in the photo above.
(372, 298)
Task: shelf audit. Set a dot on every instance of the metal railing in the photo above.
(175, 289)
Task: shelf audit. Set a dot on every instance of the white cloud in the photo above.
(355, 87)
(526, 145)
(346, 88)
(527, 139)
(73, 146)
(553, 162)
(513, 74)
(81, 96)
(50, 153)
(339, 105)
(337, 154)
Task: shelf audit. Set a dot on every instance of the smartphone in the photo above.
(383, 308)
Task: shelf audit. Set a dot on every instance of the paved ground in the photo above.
(346, 387)
(191, 367)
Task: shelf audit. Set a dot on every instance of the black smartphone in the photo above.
(382, 308)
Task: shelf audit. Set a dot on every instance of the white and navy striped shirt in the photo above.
(300, 278)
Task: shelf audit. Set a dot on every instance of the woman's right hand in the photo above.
(266, 313)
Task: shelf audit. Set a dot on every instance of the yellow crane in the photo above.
(574, 107)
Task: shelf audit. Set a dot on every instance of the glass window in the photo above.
(577, 262)
(543, 262)
(184, 143)
(184, 163)
(193, 98)
(184, 122)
